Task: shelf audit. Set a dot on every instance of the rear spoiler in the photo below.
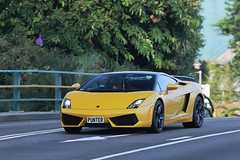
(177, 76)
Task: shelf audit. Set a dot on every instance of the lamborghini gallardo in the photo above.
(133, 99)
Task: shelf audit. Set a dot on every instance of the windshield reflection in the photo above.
(120, 83)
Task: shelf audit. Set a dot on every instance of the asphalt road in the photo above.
(219, 138)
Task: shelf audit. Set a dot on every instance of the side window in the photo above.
(164, 81)
(158, 87)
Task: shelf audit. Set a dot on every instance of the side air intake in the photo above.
(187, 96)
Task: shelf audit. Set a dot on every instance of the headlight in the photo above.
(67, 103)
(135, 104)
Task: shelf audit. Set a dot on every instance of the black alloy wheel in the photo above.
(158, 118)
(198, 114)
(73, 130)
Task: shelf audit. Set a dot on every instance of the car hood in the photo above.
(104, 100)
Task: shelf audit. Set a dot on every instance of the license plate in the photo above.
(95, 119)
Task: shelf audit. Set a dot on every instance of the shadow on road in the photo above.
(111, 131)
(173, 127)
(117, 131)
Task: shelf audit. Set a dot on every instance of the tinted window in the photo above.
(120, 83)
(164, 81)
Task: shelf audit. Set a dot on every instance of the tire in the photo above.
(73, 130)
(198, 114)
(158, 118)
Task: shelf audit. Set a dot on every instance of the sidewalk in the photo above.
(28, 116)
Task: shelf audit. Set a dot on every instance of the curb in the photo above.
(28, 116)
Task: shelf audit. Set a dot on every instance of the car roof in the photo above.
(140, 72)
(136, 72)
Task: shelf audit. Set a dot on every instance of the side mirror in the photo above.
(171, 87)
(76, 86)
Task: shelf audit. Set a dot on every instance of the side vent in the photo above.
(187, 96)
(182, 83)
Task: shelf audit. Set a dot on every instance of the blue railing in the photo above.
(16, 85)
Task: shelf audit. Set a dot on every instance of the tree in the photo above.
(205, 70)
(216, 72)
(230, 26)
(154, 35)
(221, 83)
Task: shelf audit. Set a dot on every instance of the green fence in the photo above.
(16, 87)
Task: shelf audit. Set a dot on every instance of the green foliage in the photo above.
(228, 112)
(236, 66)
(230, 26)
(154, 35)
(221, 83)
(19, 53)
(205, 71)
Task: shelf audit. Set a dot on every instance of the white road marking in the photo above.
(96, 138)
(120, 135)
(165, 144)
(19, 135)
(179, 138)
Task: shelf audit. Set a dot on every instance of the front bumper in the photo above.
(127, 118)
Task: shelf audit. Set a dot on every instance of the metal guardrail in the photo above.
(33, 86)
(16, 85)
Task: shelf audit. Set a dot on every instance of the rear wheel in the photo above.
(73, 130)
(198, 114)
(158, 118)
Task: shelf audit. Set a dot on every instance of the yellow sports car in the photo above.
(133, 99)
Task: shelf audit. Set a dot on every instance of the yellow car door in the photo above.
(173, 97)
(174, 104)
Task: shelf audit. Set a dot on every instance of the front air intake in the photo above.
(125, 120)
(70, 120)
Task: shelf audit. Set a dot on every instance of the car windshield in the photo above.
(120, 83)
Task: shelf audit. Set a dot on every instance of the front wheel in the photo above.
(198, 115)
(73, 130)
(158, 118)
